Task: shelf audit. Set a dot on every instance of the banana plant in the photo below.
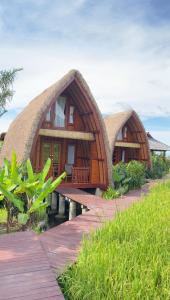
(9, 177)
(16, 185)
(37, 188)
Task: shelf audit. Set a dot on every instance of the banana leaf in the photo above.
(23, 218)
(46, 169)
(14, 200)
(30, 171)
(14, 166)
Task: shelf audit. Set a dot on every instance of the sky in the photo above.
(122, 48)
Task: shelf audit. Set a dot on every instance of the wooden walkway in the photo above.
(25, 273)
(29, 263)
(62, 243)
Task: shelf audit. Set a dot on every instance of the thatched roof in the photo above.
(23, 129)
(156, 145)
(114, 123)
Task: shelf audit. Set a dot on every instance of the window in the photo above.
(125, 133)
(71, 115)
(71, 154)
(119, 136)
(48, 116)
(70, 159)
(59, 120)
(123, 156)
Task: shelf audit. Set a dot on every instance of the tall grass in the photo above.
(129, 257)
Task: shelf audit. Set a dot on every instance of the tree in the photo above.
(7, 78)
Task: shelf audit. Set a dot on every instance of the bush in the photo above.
(111, 193)
(128, 176)
(128, 258)
(135, 170)
(160, 167)
(119, 174)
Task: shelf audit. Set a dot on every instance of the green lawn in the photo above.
(129, 257)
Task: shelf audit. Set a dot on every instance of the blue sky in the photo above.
(122, 48)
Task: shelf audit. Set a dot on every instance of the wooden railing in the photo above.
(80, 175)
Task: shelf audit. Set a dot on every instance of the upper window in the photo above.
(125, 132)
(119, 136)
(59, 120)
(71, 115)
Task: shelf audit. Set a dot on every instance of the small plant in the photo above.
(111, 193)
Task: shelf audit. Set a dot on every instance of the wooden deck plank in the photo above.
(25, 273)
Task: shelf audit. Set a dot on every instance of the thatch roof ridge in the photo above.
(114, 123)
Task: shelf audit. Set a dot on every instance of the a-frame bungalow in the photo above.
(127, 138)
(63, 123)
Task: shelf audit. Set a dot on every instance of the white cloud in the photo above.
(125, 61)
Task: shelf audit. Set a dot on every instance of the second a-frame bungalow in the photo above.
(63, 123)
(127, 138)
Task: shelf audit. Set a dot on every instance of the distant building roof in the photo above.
(156, 145)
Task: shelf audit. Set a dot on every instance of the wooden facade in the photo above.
(128, 140)
(70, 134)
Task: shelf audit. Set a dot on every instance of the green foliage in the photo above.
(111, 193)
(160, 167)
(119, 174)
(126, 177)
(3, 215)
(23, 218)
(6, 92)
(24, 190)
(128, 258)
(135, 170)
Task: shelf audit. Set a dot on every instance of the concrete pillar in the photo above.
(83, 209)
(99, 192)
(61, 210)
(72, 210)
(54, 201)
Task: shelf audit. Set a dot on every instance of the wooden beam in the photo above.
(67, 134)
(86, 113)
(127, 145)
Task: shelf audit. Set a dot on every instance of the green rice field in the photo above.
(128, 258)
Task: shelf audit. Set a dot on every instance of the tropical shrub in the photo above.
(119, 174)
(160, 167)
(128, 258)
(24, 191)
(135, 170)
(111, 193)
